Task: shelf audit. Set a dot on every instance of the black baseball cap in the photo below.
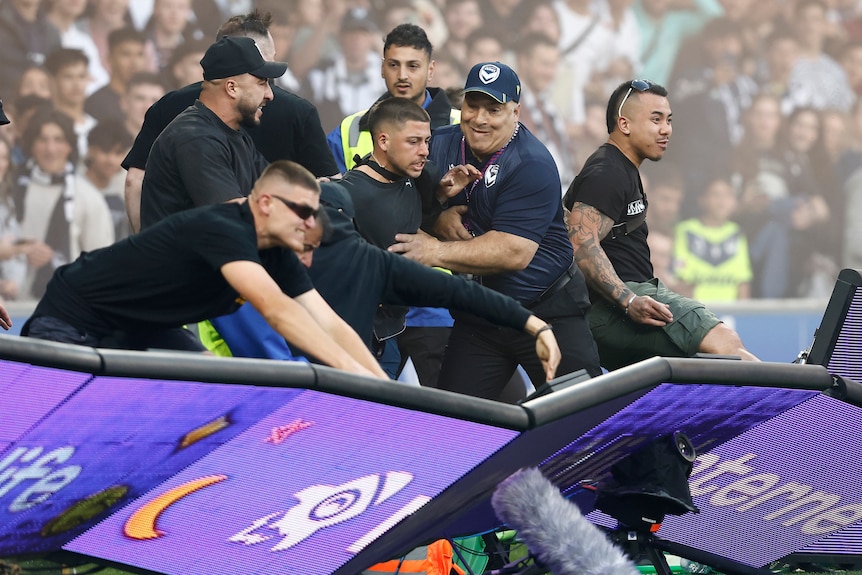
(237, 55)
(3, 119)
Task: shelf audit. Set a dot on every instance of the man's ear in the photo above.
(383, 141)
(623, 125)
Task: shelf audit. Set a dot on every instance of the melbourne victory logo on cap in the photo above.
(489, 73)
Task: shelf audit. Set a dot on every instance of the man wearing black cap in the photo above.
(203, 157)
(506, 229)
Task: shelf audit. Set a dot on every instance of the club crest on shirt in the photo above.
(635, 208)
(491, 175)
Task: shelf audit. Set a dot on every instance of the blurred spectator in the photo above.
(283, 31)
(665, 195)
(538, 16)
(48, 204)
(209, 14)
(760, 174)
(584, 45)
(318, 23)
(483, 46)
(538, 60)
(500, 16)
(126, 58)
(108, 144)
(349, 81)
(23, 109)
(64, 14)
(817, 80)
(663, 26)
(35, 81)
(13, 263)
(102, 18)
(622, 59)
(170, 25)
(26, 38)
(143, 91)
(809, 212)
(711, 251)
(185, 65)
(463, 18)
(717, 94)
(592, 133)
(851, 62)
(849, 175)
(448, 73)
(68, 68)
(781, 55)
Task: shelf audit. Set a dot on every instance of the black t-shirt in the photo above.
(168, 275)
(611, 183)
(197, 160)
(383, 209)
(289, 130)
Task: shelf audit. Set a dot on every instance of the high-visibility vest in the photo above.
(358, 142)
(433, 559)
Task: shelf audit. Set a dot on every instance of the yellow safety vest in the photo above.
(358, 142)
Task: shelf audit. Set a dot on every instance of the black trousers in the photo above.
(481, 357)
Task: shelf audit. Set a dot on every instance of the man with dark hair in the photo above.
(126, 57)
(68, 69)
(396, 179)
(509, 233)
(107, 142)
(290, 127)
(199, 264)
(407, 68)
(203, 156)
(634, 315)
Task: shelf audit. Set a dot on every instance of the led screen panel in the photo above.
(708, 414)
(845, 359)
(794, 481)
(84, 449)
(301, 491)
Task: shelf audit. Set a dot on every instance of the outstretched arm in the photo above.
(294, 322)
(587, 227)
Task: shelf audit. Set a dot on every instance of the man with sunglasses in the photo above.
(203, 263)
(204, 156)
(634, 316)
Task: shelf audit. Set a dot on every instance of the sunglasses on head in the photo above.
(640, 86)
(302, 211)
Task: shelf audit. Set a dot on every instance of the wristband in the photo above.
(629, 303)
(546, 327)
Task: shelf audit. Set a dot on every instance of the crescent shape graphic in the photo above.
(142, 524)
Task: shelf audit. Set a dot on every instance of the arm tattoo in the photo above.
(587, 226)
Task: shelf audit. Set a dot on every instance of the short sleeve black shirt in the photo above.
(289, 130)
(196, 161)
(611, 183)
(168, 275)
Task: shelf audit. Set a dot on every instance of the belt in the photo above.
(555, 287)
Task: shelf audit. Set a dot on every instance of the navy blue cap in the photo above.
(237, 55)
(496, 80)
(3, 119)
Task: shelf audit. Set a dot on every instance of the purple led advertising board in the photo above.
(708, 414)
(791, 484)
(301, 491)
(74, 450)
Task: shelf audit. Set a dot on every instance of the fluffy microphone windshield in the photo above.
(554, 530)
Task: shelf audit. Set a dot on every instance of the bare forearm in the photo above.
(600, 274)
(350, 341)
(132, 193)
(490, 253)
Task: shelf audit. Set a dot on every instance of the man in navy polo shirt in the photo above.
(506, 228)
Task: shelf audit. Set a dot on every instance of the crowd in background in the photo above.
(756, 196)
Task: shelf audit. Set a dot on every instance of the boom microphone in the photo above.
(554, 530)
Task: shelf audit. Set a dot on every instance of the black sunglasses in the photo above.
(302, 211)
(640, 86)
